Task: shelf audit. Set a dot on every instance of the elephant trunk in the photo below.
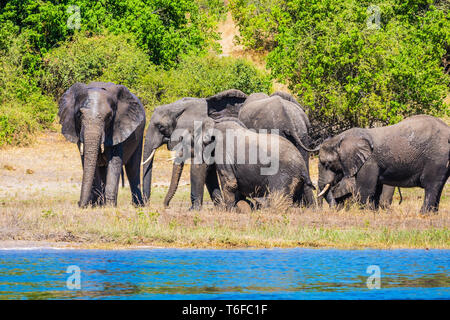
(92, 140)
(177, 170)
(326, 179)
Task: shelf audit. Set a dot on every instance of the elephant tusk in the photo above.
(82, 148)
(102, 148)
(149, 158)
(324, 190)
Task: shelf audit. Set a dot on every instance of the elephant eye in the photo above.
(162, 129)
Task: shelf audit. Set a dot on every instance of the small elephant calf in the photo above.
(251, 164)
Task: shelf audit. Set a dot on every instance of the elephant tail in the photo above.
(123, 178)
(299, 142)
(401, 197)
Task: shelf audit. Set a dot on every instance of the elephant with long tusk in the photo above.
(180, 116)
(107, 122)
(346, 188)
(257, 111)
(412, 153)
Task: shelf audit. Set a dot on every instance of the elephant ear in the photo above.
(69, 105)
(129, 115)
(354, 150)
(225, 104)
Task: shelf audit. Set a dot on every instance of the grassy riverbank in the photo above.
(60, 220)
(38, 202)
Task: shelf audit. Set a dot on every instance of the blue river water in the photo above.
(225, 274)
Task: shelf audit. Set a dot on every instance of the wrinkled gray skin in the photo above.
(282, 112)
(181, 115)
(104, 116)
(239, 181)
(412, 153)
(346, 187)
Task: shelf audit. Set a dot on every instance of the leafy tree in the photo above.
(165, 29)
(347, 69)
(23, 107)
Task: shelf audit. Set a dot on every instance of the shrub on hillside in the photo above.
(348, 70)
(104, 57)
(164, 29)
(23, 107)
(202, 76)
(117, 59)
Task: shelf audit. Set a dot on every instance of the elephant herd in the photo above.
(244, 147)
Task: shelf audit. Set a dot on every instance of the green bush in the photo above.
(23, 107)
(347, 73)
(164, 29)
(114, 58)
(259, 21)
(118, 59)
(157, 48)
(202, 76)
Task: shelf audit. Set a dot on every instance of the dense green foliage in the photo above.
(347, 70)
(164, 29)
(344, 66)
(118, 59)
(23, 107)
(156, 48)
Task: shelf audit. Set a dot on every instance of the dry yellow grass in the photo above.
(42, 206)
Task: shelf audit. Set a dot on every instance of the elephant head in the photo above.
(95, 116)
(170, 121)
(340, 159)
(225, 104)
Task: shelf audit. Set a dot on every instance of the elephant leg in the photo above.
(133, 169)
(386, 196)
(229, 195)
(377, 196)
(438, 199)
(212, 184)
(98, 186)
(367, 183)
(308, 196)
(302, 195)
(113, 176)
(433, 181)
(330, 200)
(229, 189)
(198, 177)
(432, 197)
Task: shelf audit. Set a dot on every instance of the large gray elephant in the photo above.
(257, 111)
(107, 123)
(282, 112)
(240, 176)
(182, 115)
(412, 153)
